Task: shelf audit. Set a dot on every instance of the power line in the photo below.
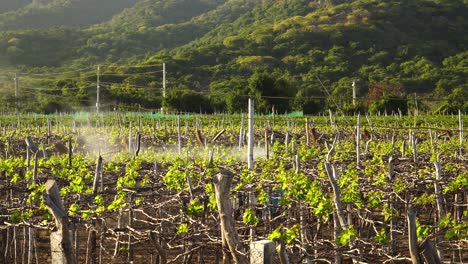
(64, 72)
(108, 84)
(129, 74)
(58, 78)
(59, 96)
(130, 66)
(54, 89)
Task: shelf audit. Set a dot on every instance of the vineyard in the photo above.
(148, 188)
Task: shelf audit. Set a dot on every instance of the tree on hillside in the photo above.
(186, 100)
(272, 90)
(388, 97)
(456, 100)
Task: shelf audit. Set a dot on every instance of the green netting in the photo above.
(298, 113)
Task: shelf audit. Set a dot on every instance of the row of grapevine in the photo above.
(325, 189)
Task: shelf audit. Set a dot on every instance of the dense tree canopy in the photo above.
(293, 55)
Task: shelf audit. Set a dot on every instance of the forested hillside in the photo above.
(8, 5)
(49, 13)
(296, 55)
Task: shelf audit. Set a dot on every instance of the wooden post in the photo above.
(460, 124)
(412, 237)
(439, 202)
(297, 163)
(336, 232)
(307, 131)
(179, 138)
(138, 147)
(222, 184)
(358, 140)
(333, 176)
(391, 169)
(70, 152)
(159, 248)
(97, 176)
(403, 148)
(241, 132)
(281, 250)
(250, 147)
(413, 145)
(130, 138)
(49, 130)
(31, 230)
(44, 153)
(60, 239)
(130, 256)
(429, 252)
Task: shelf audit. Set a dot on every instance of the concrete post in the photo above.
(262, 252)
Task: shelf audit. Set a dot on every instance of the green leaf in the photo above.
(284, 234)
(15, 217)
(99, 200)
(182, 229)
(195, 208)
(346, 236)
(73, 209)
(250, 218)
(382, 237)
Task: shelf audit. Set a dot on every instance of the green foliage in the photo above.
(73, 209)
(389, 212)
(422, 231)
(194, 208)
(129, 179)
(381, 237)
(374, 198)
(36, 193)
(265, 88)
(425, 199)
(15, 217)
(460, 182)
(182, 229)
(175, 179)
(119, 201)
(346, 236)
(399, 185)
(186, 100)
(349, 183)
(287, 235)
(454, 229)
(11, 167)
(250, 218)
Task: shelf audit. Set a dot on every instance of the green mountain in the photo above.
(293, 54)
(50, 13)
(9, 5)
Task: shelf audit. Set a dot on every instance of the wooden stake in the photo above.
(412, 237)
(222, 184)
(60, 240)
(250, 147)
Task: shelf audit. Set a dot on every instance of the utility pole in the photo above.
(16, 94)
(98, 88)
(164, 80)
(164, 86)
(354, 93)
